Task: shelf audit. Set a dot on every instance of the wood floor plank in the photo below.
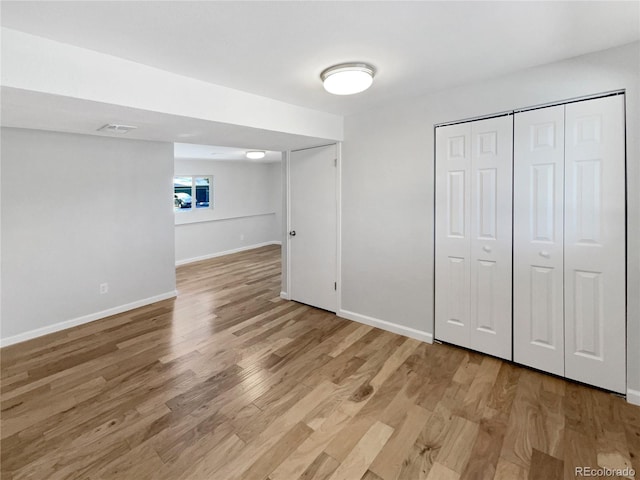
(481, 386)
(307, 453)
(369, 475)
(229, 381)
(388, 463)
(207, 463)
(440, 472)
(274, 403)
(140, 463)
(580, 452)
(355, 335)
(506, 470)
(545, 467)
(458, 444)
(611, 441)
(273, 457)
(630, 415)
(378, 393)
(537, 420)
(339, 368)
(427, 447)
(505, 388)
(321, 468)
(485, 452)
(357, 462)
(235, 468)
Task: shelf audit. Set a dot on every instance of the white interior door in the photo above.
(312, 241)
(595, 243)
(453, 247)
(538, 221)
(473, 235)
(491, 235)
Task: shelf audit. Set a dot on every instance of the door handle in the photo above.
(292, 233)
(544, 254)
(486, 249)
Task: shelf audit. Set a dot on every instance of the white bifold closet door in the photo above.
(594, 239)
(569, 241)
(538, 239)
(473, 235)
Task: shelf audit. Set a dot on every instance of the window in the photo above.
(192, 192)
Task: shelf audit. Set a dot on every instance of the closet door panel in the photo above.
(452, 300)
(491, 231)
(595, 318)
(538, 173)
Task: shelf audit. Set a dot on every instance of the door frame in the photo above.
(286, 158)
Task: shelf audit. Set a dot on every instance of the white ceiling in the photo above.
(278, 49)
(208, 152)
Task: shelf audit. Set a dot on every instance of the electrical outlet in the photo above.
(241, 236)
(104, 288)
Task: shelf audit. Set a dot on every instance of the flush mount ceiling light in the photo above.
(255, 154)
(348, 78)
(115, 128)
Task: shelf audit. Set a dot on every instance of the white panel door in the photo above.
(452, 292)
(538, 226)
(313, 228)
(491, 235)
(595, 243)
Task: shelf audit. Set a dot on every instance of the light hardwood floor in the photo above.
(228, 382)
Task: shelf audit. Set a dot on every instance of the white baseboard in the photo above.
(226, 252)
(633, 396)
(285, 296)
(389, 326)
(56, 327)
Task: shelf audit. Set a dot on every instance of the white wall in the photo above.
(78, 211)
(246, 209)
(387, 185)
(275, 180)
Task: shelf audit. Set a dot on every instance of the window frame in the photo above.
(193, 193)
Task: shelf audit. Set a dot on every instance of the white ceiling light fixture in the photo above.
(348, 78)
(116, 128)
(255, 154)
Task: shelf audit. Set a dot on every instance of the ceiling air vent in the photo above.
(115, 128)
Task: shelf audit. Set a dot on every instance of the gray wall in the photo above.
(77, 211)
(387, 185)
(246, 212)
